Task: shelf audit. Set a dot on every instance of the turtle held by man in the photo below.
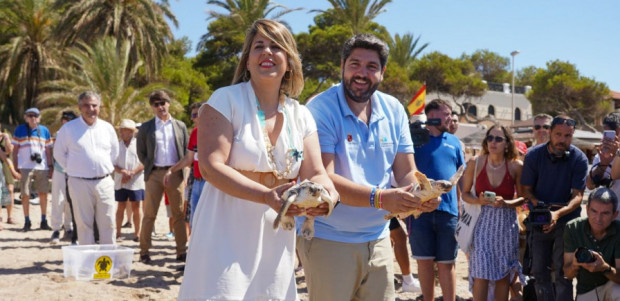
(306, 194)
(428, 189)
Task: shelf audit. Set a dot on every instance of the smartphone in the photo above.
(489, 196)
(609, 135)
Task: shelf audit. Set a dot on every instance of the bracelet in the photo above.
(372, 197)
(377, 198)
(380, 200)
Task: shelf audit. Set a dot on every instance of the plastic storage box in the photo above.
(97, 261)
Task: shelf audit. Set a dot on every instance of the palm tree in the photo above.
(141, 22)
(105, 69)
(29, 50)
(356, 13)
(404, 51)
(240, 14)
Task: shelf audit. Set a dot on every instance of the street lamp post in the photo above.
(513, 54)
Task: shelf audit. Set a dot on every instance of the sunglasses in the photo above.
(544, 126)
(32, 115)
(497, 139)
(559, 120)
(194, 115)
(158, 104)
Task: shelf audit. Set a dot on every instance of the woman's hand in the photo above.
(273, 199)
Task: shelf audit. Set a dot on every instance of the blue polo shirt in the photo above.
(439, 159)
(553, 182)
(364, 153)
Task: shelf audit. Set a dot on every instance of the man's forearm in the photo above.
(573, 204)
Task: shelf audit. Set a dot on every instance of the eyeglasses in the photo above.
(559, 120)
(157, 104)
(544, 126)
(194, 115)
(497, 139)
(32, 115)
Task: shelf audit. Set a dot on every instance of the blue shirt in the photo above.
(439, 159)
(31, 141)
(552, 182)
(364, 153)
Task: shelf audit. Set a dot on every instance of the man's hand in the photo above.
(554, 220)
(431, 205)
(599, 265)
(400, 200)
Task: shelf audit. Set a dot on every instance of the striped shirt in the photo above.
(38, 140)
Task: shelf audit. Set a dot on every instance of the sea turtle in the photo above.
(428, 189)
(306, 194)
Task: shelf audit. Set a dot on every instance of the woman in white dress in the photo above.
(253, 140)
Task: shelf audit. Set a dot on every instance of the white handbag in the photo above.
(464, 233)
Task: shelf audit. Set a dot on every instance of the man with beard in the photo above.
(542, 123)
(431, 235)
(364, 136)
(554, 175)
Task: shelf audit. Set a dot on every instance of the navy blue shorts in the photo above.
(431, 236)
(122, 195)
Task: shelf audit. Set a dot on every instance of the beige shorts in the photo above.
(40, 177)
(348, 271)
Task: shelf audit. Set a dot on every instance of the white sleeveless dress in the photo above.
(234, 252)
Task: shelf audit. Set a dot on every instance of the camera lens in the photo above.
(583, 255)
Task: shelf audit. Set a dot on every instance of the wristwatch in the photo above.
(607, 270)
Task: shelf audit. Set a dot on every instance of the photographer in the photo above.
(592, 248)
(601, 172)
(554, 173)
(32, 154)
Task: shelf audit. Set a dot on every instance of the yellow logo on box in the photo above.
(103, 266)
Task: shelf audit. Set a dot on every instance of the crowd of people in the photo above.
(252, 141)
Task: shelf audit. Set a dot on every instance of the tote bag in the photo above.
(467, 219)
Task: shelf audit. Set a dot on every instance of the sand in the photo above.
(32, 269)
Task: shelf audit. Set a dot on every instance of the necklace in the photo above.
(495, 167)
(292, 155)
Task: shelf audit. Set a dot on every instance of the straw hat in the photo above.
(128, 124)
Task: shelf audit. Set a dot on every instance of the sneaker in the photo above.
(45, 226)
(170, 235)
(55, 237)
(27, 226)
(413, 287)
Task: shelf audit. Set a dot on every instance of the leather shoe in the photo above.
(146, 259)
(182, 257)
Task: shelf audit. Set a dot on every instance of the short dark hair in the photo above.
(604, 195)
(366, 41)
(612, 120)
(158, 95)
(68, 115)
(435, 104)
(196, 105)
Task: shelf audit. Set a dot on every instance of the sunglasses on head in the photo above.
(544, 126)
(497, 139)
(158, 104)
(559, 120)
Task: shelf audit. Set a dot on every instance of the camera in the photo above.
(584, 255)
(420, 135)
(36, 157)
(540, 215)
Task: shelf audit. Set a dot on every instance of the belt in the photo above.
(161, 167)
(266, 178)
(95, 178)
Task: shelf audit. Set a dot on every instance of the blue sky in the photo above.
(584, 33)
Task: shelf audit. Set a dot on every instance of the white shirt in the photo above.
(165, 147)
(86, 151)
(128, 159)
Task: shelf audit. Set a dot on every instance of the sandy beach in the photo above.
(31, 268)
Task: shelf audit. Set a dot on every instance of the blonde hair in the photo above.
(293, 80)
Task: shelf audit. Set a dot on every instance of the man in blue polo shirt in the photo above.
(32, 153)
(554, 174)
(432, 234)
(364, 137)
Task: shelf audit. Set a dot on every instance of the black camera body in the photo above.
(540, 215)
(419, 135)
(36, 157)
(584, 255)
